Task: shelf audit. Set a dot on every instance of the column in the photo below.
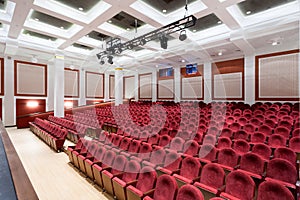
(9, 105)
(154, 86)
(207, 83)
(59, 93)
(177, 88)
(106, 87)
(136, 86)
(250, 79)
(118, 86)
(82, 97)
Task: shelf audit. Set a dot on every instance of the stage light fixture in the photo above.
(110, 60)
(99, 56)
(129, 46)
(102, 62)
(143, 42)
(182, 35)
(163, 42)
(118, 50)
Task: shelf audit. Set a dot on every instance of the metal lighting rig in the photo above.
(115, 46)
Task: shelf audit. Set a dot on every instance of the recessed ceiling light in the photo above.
(87, 35)
(109, 21)
(164, 10)
(275, 43)
(80, 8)
(62, 27)
(183, 61)
(194, 30)
(220, 53)
(128, 29)
(219, 22)
(36, 19)
(248, 12)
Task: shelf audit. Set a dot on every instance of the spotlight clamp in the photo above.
(115, 46)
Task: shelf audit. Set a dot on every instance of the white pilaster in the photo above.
(118, 86)
(250, 80)
(207, 83)
(59, 92)
(82, 97)
(136, 86)
(177, 88)
(154, 85)
(9, 106)
(106, 87)
(51, 84)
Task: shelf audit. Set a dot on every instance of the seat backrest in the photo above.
(191, 147)
(241, 146)
(134, 146)
(265, 129)
(262, 150)
(296, 132)
(282, 170)
(226, 132)
(166, 188)
(235, 126)
(258, 137)
(119, 164)
(147, 179)
(224, 142)
(164, 140)
(177, 144)
(212, 175)
(273, 190)
(241, 134)
(249, 128)
(294, 144)
(190, 167)
(172, 161)
(158, 156)
(189, 192)
(286, 153)
(125, 143)
(281, 130)
(209, 139)
(253, 163)
(228, 157)
(132, 169)
(208, 152)
(277, 140)
(240, 185)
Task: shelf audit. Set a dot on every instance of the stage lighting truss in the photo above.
(115, 46)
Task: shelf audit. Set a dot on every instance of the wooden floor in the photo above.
(49, 172)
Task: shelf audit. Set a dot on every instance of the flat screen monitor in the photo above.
(191, 69)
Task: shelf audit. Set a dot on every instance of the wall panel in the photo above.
(192, 85)
(145, 86)
(165, 89)
(228, 80)
(94, 83)
(30, 106)
(128, 87)
(30, 79)
(71, 83)
(277, 76)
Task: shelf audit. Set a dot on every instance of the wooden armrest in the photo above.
(133, 183)
(149, 193)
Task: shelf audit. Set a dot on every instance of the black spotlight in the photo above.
(98, 56)
(129, 46)
(143, 42)
(102, 62)
(163, 42)
(182, 35)
(118, 50)
(110, 60)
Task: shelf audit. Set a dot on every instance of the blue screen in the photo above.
(191, 69)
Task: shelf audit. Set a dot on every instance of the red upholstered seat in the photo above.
(228, 158)
(164, 140)
(209, 139)
(191, 148)
(239, 185)
(241, 146)
(207, 153)
(177, 144)
(294, 144)
(189, 171)
(276, 141)
(129, 176)
(282, 171)
(265, 129)
(224, 142)
(189, 192)
(272, 190)
(116, 169)
(287, 154)
(212, 178)
(146, 182)
(296, 132)
(252, 164)
(156, 158)
(281, 130)
(241, 134)
(262, 150)
(258, 137)
(171, 164)
(89, 162)
(249, 128)
(226, 132)
(166, 189)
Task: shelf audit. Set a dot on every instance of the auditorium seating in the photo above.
(244, 149)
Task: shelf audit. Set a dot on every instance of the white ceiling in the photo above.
(237, 36)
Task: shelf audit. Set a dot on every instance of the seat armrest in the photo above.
(149, 193)
(221, 189)
(236, 167)
(133, 183)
